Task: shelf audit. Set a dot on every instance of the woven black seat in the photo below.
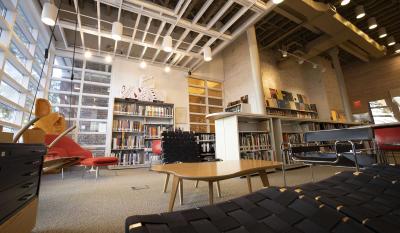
(346, 202)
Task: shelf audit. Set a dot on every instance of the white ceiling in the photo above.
(193, 24)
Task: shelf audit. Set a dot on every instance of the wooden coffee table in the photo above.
(214, 172)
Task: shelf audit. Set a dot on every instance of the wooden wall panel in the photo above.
(372, 81)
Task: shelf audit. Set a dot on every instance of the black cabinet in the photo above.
(20, 172)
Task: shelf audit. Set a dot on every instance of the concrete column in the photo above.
(256, 72)
(334, 54)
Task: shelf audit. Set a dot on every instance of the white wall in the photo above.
(127, 72)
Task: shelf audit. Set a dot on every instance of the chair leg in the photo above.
(197, 184)
(312, 173)
(62, 173)
(181, 192)
(249, 183)
(166, 183)
(97, 172)
(83, 172)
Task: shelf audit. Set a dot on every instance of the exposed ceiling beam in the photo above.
(202, 10)
(297, 20)
(219, 14)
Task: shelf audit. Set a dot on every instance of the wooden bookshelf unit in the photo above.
(135, 125)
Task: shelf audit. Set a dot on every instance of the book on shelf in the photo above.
(155, 131)
(254, 141)
(128, 158)
(127, 142)
(127, 125)
(292, 138)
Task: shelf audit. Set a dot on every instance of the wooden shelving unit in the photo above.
(135, 125)
(205, 97)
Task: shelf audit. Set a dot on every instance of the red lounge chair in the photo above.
(66, 148)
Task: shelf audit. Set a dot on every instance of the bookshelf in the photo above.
(135, 125)
(205, 97)
(243, 136)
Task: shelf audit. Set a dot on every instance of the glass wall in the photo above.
(83, 101)
(21, 65)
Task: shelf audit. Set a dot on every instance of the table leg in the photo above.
(249, 183)
(181, 192)
(210, 192)
(197, 184)
(218, 189)
(166, 183)
(264, 178)
(175, 184)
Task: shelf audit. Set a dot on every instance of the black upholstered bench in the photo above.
(368, 201)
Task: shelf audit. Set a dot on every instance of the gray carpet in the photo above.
(87, 205)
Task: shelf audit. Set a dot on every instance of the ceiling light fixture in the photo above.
(284, 53)
(382, 32)
(391, 41)
(300, 61)
(143, 65)
(372, 24)
(314, 66)
(167, 69)
(88, 54)
(207, 53)
(108, 59)
(360, 11)
(344, 2)
(277, 1)
(116, 31)
(323, 70)
(49, 14)
(397, 48)
(167, 44)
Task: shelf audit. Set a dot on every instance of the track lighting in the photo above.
(143, 65)
(277, 1)
(207, 53)
(116, 31)
(88, 54)
(300, 61)
(391, 41)
(372, 24)
(167, 69)
(108, 59)
(360, 11)
(397, 48)
(382, 32)
(314, 66)
(344, 2)
(49, 14)
(284, 53)
(167, 44)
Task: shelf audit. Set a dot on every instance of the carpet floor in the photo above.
(76, 205)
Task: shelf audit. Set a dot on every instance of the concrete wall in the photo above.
(321, 88)
(372, 81)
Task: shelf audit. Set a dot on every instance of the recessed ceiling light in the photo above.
(49, 14)
(372, 24)
(382, 32)
(88, 54)
(360, 12)
(277, 1)
(391, 41)
(167, 69)
(143, 65)
(108, 59)
(344, 2)
(167, 44)
(116, 31)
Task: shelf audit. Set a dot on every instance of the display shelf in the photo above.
(135, 125)
(206, 142)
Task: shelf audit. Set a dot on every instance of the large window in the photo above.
(20, 74)
(381, 112)
(83, 101)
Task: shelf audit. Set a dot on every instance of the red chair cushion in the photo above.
(100, 161)
(386, 136)
(71, 148)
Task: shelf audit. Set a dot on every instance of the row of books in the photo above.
(285, 104)
(142, 110)
(290, 113)
(205, 136)
(154, 130)
(254, 141)
(127, 126)
(127, 142)
(292, 138)
(127, 158)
